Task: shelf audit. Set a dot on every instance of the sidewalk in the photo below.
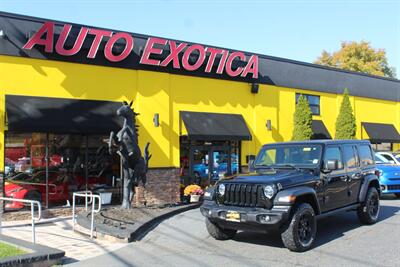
(59, 234)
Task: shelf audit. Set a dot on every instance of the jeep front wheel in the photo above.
(300, 234)
(218, 232)
(368, 212)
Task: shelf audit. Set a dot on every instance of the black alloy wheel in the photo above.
(373, 206)
(368, 212)
(304, 229)
(299, 235)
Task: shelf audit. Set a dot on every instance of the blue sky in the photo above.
(292, 29)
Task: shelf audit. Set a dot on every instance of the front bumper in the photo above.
(251, 219)
(390, 185)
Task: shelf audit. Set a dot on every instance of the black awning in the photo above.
(60, 115)
(320, 131)
(381, 132)
(215, 126)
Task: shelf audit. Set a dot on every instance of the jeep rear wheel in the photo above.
(368, 212)
(218, 232)
(300, 234)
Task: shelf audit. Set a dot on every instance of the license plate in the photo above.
(233, 216)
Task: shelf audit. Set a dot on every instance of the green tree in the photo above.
(302, 120)
(358, 56)
(346, 122)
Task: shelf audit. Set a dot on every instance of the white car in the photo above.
(390, 157)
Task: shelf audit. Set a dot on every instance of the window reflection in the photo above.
(75, 162)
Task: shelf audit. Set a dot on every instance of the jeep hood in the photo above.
(285, 177)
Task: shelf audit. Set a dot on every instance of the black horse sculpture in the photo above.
(134, 166)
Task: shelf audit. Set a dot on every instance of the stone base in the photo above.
(162, 187)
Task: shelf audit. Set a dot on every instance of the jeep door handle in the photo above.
(356, 176)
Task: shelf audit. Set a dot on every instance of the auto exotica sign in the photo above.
(190, 57)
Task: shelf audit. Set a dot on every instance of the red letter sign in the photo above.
(173, 56)
(78, 42)
(149, 49)
(228, 67)
(128, 47)
(36, 39)
(200, 60)
(252, 67)
(99, 34)
(211, 57)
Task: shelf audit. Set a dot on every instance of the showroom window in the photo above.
(313, 101)
(75, 162)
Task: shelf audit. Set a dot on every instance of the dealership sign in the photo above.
(180, 54)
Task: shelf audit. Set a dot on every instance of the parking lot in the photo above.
(341, 241)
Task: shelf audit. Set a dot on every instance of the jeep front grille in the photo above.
(245, 195)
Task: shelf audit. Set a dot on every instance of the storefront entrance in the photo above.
(211, 148)
(205, 162)
(213, 160)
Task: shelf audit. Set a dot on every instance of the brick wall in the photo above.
(162, 187)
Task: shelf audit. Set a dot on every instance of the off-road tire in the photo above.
(302, 220)
(218, 232)
(368, 212)
(397, 195)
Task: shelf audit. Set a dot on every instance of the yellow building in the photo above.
(204, 110)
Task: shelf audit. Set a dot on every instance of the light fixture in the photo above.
(156, 120)
(269, 125)
(254, 88)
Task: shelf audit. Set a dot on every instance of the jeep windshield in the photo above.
(289, 156)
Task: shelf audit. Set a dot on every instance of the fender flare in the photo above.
(282, 198)
(365, 185)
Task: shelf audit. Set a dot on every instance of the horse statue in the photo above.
(134, 166)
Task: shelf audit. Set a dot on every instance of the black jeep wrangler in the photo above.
(291, 185)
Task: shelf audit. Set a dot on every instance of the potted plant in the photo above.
(194, 192)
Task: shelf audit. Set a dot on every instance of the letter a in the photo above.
(36, 39)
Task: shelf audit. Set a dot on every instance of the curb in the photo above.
(136, 233)
(38, 255)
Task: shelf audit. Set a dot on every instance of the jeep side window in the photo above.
(365, 155)
(333, 153)
(350, 158)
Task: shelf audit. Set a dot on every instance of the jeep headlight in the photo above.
(221, 189)
(269, 191)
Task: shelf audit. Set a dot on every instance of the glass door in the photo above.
(221, 163)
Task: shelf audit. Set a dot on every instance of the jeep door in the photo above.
(354, 177)
(334, 182)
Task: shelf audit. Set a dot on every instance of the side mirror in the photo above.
(331, 165)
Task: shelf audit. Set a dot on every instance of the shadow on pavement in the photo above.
(329, 229)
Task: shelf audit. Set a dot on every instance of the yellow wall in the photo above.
(167, 94)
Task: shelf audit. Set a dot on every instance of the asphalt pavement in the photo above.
(341, 241)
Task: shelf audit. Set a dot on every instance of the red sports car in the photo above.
(33, 187)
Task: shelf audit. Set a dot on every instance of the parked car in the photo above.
(389, 177)
(390, 157)
(294, 184)
(33, 187)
